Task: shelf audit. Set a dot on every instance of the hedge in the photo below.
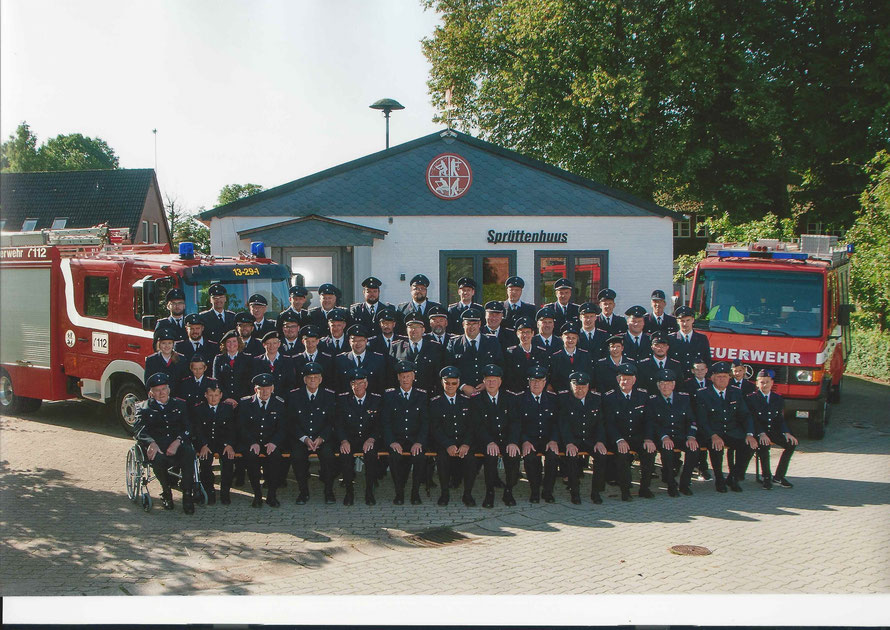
(871, 354)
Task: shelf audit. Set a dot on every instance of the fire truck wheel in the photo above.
(124, 404)
(10, 403)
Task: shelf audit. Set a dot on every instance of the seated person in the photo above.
(214, 432)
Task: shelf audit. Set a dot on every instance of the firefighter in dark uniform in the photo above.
(313, 354)
(647, 368)
(494, 325)
(466, 289)
(437, 318)
(637, 344)
(537, 412)
(278, 365)
(453, 433)
(423, 351)
(514, 308)
(195, 341)
(289, 323)
(723, 419)
(310, 421)
(384, 331)
(232, 368)
(405, 429)
(318, 316)
(217, 319)
(213, 423)
(297, 297)
(357, 427)
(582, 429)
(768, 410)
(175, 300)
(686, 343)
(336, 342)
(418, 304)
(608, 368)
(262, 428)
(244, 324)
(564, 310)
(519, 358)
(671, 425)
(191, 389)
(163, 429)
(658, 320)
(568, 360)
(471, 351)
(257, 305)
(626, 429)
(497, 435)
(166, 360)
(739, 371)
(692, 385)
(366, 313)
(590, 337)
(359, 356)
(607, 320)
(547, 336)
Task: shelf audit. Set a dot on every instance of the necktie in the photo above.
(404, 394)
(538, 399)
(197, 347)
(213, 410)
(668, 401)
(311, 357)
(179, 323)
(358, 361)
(582, 401)
(514, 307)
(338, 345)
(660, 365)
(451, 401)
(416, 349)
(263, 405)
(221, 318)
(311, 397)
(528, 355)
(627, 396)
(572, 359)
(388, 341)
(494, 401)
(359, 401)
(231, 361)
(721, 396)
(658, 319)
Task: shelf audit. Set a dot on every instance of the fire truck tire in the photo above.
(10, 403)
(124, 404)
(817, 422)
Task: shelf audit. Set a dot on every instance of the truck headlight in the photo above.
(804, 376)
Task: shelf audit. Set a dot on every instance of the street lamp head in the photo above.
(387, 105)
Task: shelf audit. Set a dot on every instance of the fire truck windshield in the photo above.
(759, 302)
(241, 281)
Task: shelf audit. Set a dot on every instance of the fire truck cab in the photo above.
(783, 306)
(79, 311)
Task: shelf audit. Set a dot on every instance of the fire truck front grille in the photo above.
(782, 371)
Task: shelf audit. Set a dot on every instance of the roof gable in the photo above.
(393, 182)
(313, 230)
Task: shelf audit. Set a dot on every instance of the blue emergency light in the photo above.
(729, 253)
(186, 250)
(790, 255)
(258, 249)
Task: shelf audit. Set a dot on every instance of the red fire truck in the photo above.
(78, 311)
(783, 306)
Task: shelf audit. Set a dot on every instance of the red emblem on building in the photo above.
(449, 176)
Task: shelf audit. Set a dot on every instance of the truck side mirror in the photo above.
(149, 322)
(149, 297)
(843, 314)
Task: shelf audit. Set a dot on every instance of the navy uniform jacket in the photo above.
(452, 425)
(580, 423)
(537, 421)
(745, 385)
(359, 313)
(356, 423)
(319, 317)
(685, 352)
(516, 364)
(303, 314)
(407, 308)
(647, 370)
(769, 417)
(618, 325)
(595, 344)
(405, 420)
(322, 358)
(555, 343)
(455, 326)
(282, 370)
(524, 309)
(291, 349)
(207, 348)
(494, 423)
(691, 386)
(312, 418)
(561, 366)
(729, 416)
(234, 374)
(505, 336)
(170, 323)
(215, 329)
(176, 370)
(191, 391)
(378, 343)
(261, 426)
(327, 344)
(444, 339)
(668, 324)
(676, 421)
(253, 347)
(470, 363)
(262, 327)
(162, 424)
(428, 361)
(373, 363)
(635, 351)
(213, 429)
(606, 372)
(570, 314)
(625, 419)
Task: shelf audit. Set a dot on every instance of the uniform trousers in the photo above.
(623, 461)
(670, 461)
(465, 468)
(271, 465)
(511, 468)
(784, 459)
(300, 461)
(574, 466)
(184, 458)
(533, 467)
(226, 467)
(743, 455)
(347, 464)
(399, 465)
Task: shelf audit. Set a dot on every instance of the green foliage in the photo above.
(686, 263)
(870, 282)
(871, 354)
(71, 152)
(184, 226)
(745, 108)
(234, 192)
(770, 226)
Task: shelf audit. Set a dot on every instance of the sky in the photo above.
(239, 91)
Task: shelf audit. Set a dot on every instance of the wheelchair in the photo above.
(139, 474)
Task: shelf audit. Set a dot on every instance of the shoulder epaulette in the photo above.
(420, 390)
(611, 391)
(390, 389)
(246, 397)
(435, 398)
(563, 391)
(373, 394)
(681, 393)
(329, 390)
(342, 394)
(280, 398)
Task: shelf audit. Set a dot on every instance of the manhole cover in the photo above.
(438, 537)
(690, 550)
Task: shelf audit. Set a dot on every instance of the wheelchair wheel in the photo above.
(135, 466)
(146, 501)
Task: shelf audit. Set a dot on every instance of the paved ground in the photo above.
(68, 528)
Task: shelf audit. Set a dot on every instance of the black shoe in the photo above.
(443, 499)
(646, 493)
(767, 483)
(468, 500)
(508, 498)
(188, 505)
(672, 491)
(272, 500)
(783, 482)
(415, 497)
(349, 497)
(302, 498)
(498, 483)
(685, 491)
(733, 484)
(224, 497)
(167, 500)
(211, 497)
(576, 497)
(721, 486)
(596, 498)
(369, 499)
(625, 495)
(329, 497)
(399, 499)
(257, 501)
(488, 501)
(534, 496)
(548, 497)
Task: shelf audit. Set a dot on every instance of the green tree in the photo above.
(65, 152)
(19, 153)
(184, 226)
(234, 192)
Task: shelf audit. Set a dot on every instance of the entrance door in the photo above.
(489, 270)
(586, 270)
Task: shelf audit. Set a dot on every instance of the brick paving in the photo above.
(68, 528)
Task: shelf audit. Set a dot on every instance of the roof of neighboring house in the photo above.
(87, 198)
(393, 182)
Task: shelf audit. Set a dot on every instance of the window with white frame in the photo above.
(681, 229)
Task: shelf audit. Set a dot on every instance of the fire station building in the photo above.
(449, 205)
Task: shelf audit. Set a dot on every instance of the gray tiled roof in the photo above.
(393, 182)
(315, 231)
(87, 198)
